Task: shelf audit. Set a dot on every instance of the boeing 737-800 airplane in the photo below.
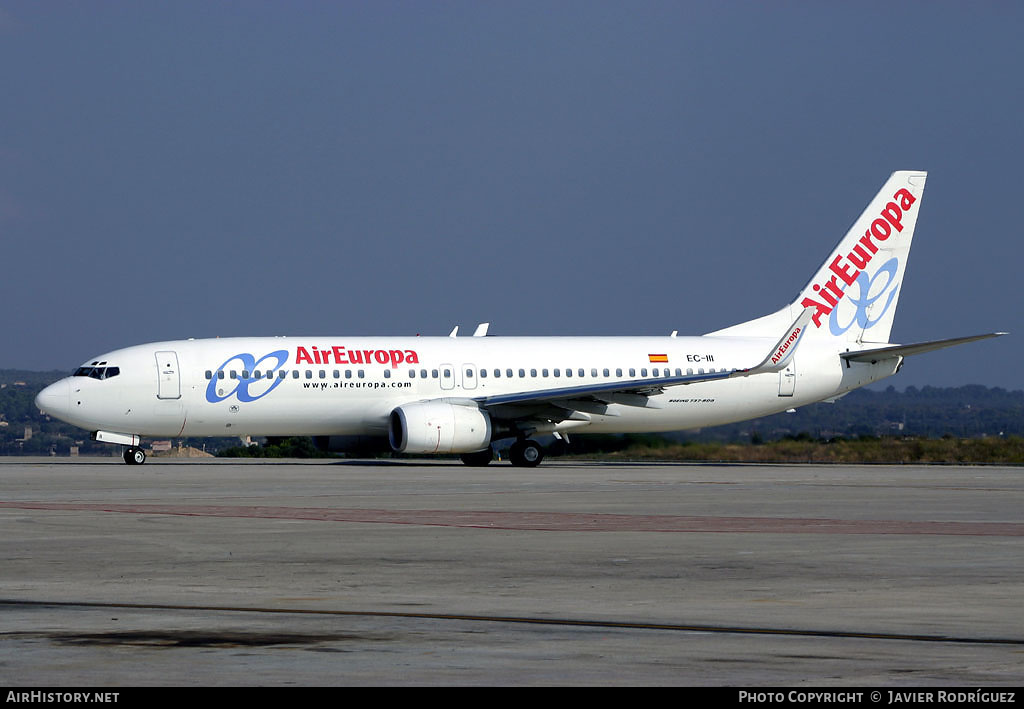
(449, 395)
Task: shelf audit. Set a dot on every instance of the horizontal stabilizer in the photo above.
(891, 351)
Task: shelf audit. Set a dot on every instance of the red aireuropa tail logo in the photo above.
(848, 268)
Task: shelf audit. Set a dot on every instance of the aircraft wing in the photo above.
(891, 351)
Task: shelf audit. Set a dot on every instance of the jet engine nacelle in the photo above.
(438, 427)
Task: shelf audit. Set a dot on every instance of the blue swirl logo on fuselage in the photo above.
(249, 387)
(868, 294)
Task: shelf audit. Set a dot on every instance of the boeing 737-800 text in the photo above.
(458, 395)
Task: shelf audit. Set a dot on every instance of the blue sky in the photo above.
(198, 169)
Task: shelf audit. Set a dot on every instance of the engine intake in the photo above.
(438, 427)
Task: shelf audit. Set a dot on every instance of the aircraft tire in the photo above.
(526, 454)
(134, 456)
(479, 458)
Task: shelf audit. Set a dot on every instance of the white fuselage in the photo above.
(349, 385)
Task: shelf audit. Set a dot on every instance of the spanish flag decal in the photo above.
(658, 357)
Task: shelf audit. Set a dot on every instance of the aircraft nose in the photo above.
(54, 398)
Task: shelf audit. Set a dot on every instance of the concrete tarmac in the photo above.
(422, 573)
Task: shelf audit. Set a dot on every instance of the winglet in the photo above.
(782, 353)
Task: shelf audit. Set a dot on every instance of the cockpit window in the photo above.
(97, 372)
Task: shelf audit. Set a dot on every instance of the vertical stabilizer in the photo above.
(855, 292)
(853, 295)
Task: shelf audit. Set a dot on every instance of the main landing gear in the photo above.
(526, 454)
(478, 459)
(134, 456)
(522, 454)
